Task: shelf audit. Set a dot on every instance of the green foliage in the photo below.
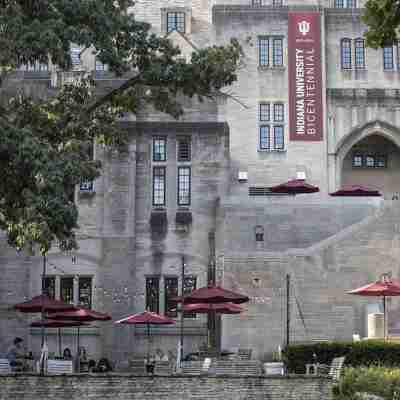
(43, 144)
(383, 20)
(379, 381)
(358, 353)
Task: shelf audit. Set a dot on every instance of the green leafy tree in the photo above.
(44, 142)
(383, 20)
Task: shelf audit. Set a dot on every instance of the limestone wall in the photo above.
(172, 388)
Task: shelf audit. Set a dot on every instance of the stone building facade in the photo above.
(195, 191)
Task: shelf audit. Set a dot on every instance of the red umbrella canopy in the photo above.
(80, 314)
(146, 317)
(43, 302)
(220, 308)
(213, 294)
(49, 323)
(295, 186)
(356, 190)
(379, 288)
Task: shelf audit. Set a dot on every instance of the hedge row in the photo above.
(364, 353)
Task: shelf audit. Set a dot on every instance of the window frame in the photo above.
(80, 304)
(156, 278)
(266, 112)
(283, 138)
(186, 292)
(64, 279)
(359, 54)
(262, 140)
(176, 24)
(276, 39)
(184, 140)
(164, 188)
(353, 163)
(179, 188)
(157, 139)
(263, 56)
(345, 65)
(391, 58)
(46, 286)
(168, 297)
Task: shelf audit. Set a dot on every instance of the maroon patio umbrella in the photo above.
(80, 315)
(382, 288)
(49, 323)
(219, 308)
(356, 191)
(146, 318)
(212, 295)
(295, 186)
(42, 303)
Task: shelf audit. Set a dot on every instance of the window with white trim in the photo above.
(159, 186)
(271, 126)
(176, 21)
(345, 3)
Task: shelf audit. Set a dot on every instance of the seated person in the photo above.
(91, 366)
(67, 355)
(82, 354)
(15, 354)
(103, 365)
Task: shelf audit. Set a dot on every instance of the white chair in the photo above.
(59, 367)
(5, 367)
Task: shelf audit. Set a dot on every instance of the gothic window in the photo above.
(388, 63)
(271, 132)
(170, 292)
(176, 22)
(152, 294)
(189, 284)
(184, 186)
(263, 51)
(345, 52)
(159, 149)
(359, 53)
(184, 150)
(277, 52)
(67, 290)
(159, 186)
(85, 292)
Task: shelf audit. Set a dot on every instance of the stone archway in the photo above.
(370, 155)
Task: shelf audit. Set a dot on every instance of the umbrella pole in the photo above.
(77, 352)
(384, 317)
(148, 343)
(59, 342)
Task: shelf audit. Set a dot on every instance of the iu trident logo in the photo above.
(304, 27)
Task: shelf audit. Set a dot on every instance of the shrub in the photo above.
(364, 353)
(379, 381)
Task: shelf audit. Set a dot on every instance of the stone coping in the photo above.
(174, 376)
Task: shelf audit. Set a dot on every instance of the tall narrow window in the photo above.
(184, 186)
(351, 3)
(259, 231)
(263, 51)
(170, 292)
(189, 284)
(85, 292)
(345, 52)
(277, 52)
(159, 149)
(339, 3)
(50, 286)
(264, 137)
(184, 151)
(359, 53)
(264, 113)
(176, 22)
(388, 63)
(279, 138)
(159, 186)
(277, 3)
(152, 293)
(67, 289)
(278, 112)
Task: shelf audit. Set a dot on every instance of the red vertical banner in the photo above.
(305, 77)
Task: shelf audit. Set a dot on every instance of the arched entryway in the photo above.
(370, 156)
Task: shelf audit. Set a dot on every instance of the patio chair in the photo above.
(333, 370)
(5, 366)
(244, 354)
